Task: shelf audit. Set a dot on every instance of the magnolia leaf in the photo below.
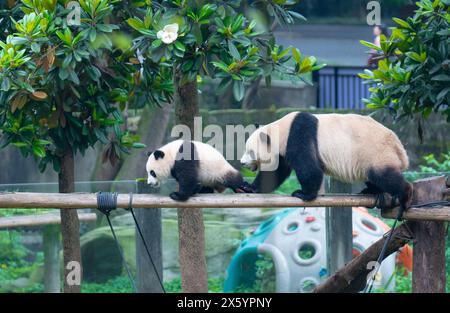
(238, 90)
(18, 102)
(38, 96)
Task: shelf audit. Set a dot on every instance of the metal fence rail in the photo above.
(340, 87)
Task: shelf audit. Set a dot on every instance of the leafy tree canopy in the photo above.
(211, 38)
(413, 74)
(65, 85)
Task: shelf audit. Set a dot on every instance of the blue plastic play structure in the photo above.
(295, 239)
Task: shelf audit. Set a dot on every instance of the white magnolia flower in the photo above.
(168, 34)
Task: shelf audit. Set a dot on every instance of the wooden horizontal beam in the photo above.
(438, 213)
(40, 220)
(89, 200)
(145, 201)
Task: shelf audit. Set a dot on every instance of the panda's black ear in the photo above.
(149, 153)
(159, 154)
(264, 138)
(257, 125)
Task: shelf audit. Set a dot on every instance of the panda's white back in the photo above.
(213, 167)
(351, 144)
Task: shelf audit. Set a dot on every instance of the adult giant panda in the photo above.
(198, 168)
(349, 147)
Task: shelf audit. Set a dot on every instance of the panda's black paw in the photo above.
(178, 196)
(245, 188)
(305, 197)
(366, 191)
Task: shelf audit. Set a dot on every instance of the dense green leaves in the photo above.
(413, 76)
(67, 84)
(214, 40)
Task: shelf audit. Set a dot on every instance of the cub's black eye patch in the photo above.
(158, 154)
(252, 154)
(153, 173)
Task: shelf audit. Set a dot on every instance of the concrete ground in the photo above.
(334, 44)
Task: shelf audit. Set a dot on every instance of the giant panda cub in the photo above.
(197, 167)
(349, 147)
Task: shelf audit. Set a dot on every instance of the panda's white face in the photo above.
(260, 151)
(156, 168)
(249, 160)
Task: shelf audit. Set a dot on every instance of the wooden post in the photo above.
(70, 225)
(339, 230)
(429, 244)
(51, 243)
(151, 226)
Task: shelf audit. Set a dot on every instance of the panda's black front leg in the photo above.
(371, 189)
(268, 181)
(311, 180)
(187, 188)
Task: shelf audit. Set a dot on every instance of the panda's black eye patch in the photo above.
(252, 154)
(153, 173)
(158, 154)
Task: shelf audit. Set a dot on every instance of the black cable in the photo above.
(381, 256)
(130, 207)
(431, 203)
(380, 201)
(107, 202)
(130, 276)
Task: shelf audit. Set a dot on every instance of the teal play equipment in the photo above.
(240, 272)
(295, 239)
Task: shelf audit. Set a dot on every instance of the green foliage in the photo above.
(265, 277)
(413, 74)
(433, 165)
(215, 284)
(66, 85)
(403, 282)
(118, 284)
(210, 38)
(12, 251)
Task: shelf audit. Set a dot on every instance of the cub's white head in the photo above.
(156, 168)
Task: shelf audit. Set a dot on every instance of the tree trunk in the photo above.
(186, 102)
(251, 94)
(70, 225)
(191, 228)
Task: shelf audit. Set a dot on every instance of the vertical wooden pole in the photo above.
(191, 228)
(429, 244)
(51, 243)
(150, 224)
(339, 230)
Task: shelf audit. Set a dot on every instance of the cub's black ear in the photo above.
(159, 154)
(257, 125)
(264, 138)
(149, 153)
